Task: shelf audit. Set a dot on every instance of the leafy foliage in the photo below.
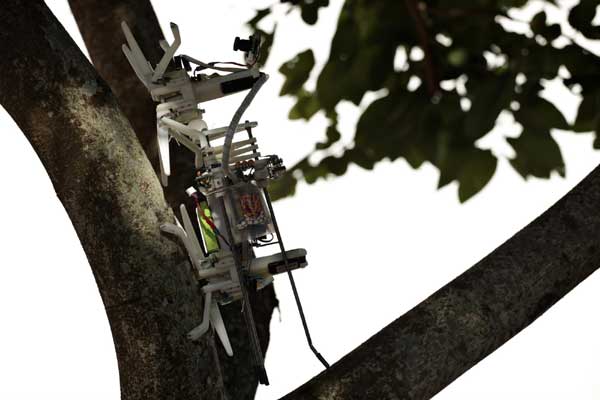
(469, 69)
(309, 9)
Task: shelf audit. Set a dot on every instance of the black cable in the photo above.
(291, 277)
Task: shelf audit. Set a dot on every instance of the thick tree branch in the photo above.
(100, 26)
(99, 22)
(426, 349)
(115, 202)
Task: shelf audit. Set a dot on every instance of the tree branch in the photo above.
(115, 202)
(430, 75)
(100, 26)
(427, 348)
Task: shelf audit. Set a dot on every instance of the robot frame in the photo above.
(229, 196)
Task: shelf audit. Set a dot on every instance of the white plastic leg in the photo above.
(163, 44)
(217, 322)
(174, 230)
(178, 231)
(169, 53)
(193, 130)
(136, 57)
(162, 135)
(201, 329)
(191, 234)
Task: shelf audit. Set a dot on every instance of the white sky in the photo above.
(365, 270)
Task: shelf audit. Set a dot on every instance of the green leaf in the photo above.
(580, 63)
(362, 54)
(312, 173)
(489, 96)
(296, 72)
(539, 114)
(538, 23)
(471, 167)
(333, 135)
(457, 57)
(328, 165)
(540, 27)
(387, 123)
(552, 32)
(407, 124)
(343, 49)
(581, 17)
(588, 114)
(597, 141)
(310, 15)
(335, 165)
(537, 154)
(260, 14)
(360, 157)
(410, 124)
(539, 62)
(512, 3)
(283, 187)
(306, 106)
(310, 10)
(476, 171)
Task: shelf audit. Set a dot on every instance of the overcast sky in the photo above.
(365, 270)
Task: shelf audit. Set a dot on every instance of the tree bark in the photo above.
(100, 25)
(99, 22)
(115, 202)
(430, 346)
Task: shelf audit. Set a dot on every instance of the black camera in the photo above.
(250, 47)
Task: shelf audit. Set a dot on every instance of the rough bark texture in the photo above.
(423, 351)
(115, 202)
(99, 22)
(100, 25)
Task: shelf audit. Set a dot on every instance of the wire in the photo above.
(236, 120)
(293, 283)
(210, 223)
(267, 240)
(212, 65)
(227, 62)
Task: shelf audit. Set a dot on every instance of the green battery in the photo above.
(209, 236)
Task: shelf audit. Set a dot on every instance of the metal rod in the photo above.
(293, 283)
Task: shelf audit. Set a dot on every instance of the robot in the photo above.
(231, 202)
